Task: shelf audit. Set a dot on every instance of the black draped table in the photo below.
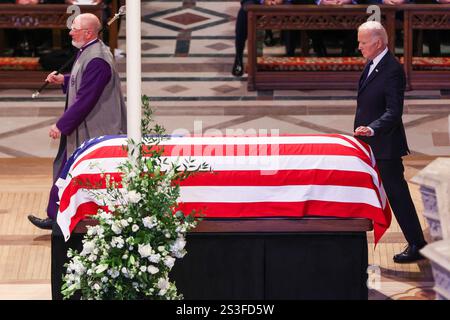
(278, 258)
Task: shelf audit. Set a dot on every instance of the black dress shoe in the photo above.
(411, 254)
(238, 69)
(46, 223)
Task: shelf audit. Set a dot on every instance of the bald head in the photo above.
(85, 28)
(90, 22)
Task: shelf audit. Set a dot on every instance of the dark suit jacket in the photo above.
(380, 106)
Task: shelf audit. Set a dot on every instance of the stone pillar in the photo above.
(434, 181)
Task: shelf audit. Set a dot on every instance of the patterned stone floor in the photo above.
(187, 54)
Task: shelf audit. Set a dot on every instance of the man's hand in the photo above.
(273, 2)
(393, 2)
(328, 2)
(54, 132)
(342, 2)
(363, 131)
(55, 78)
(27, 1)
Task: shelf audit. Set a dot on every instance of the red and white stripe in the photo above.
(283, 176)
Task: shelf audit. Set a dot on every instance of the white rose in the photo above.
(143, 268)
(88, 247)
(179, 244)
(152, 269)
(163, 285)
(77, 267)
(155, 258)
(149, 222)
(114, 273)
(101, 268)
(145, 250)
(92, 231)
(105, 215)
(134, 197)
(135, 228)
(116, 229)
(169, 261)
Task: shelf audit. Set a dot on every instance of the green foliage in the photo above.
(131, 251)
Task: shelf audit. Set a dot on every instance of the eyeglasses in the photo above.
(76, 29)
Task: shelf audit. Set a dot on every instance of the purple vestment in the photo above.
(94, 80)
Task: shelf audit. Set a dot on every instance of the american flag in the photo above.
(254, 176)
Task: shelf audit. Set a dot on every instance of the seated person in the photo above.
(241, 33)
(317, 36)
(348, 37)
(291, 37)
(433, 38)
(28, 42)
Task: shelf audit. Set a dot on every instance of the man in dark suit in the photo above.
(378, 122)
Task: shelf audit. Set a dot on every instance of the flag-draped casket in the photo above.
(258, 176)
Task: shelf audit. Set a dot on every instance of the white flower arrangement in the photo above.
(130, 253)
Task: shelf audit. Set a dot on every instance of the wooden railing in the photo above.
(424, 17)
(43, 16)
(347, 17)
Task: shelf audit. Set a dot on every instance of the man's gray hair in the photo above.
(377, 30)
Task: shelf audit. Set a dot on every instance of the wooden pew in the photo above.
(424, 17)
(44, 16)
(348, 17)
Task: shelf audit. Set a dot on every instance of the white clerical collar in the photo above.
(378, 58)
(87, 44)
